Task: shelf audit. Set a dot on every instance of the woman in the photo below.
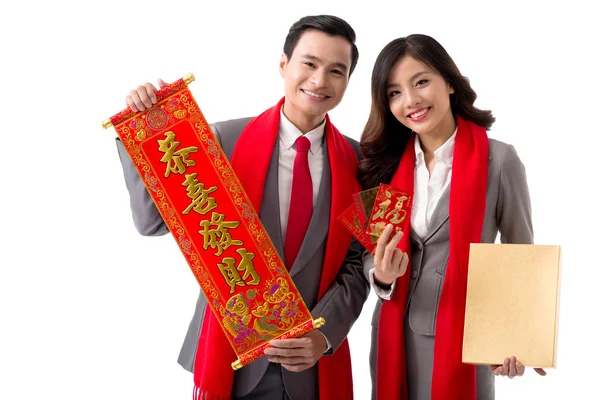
(425, 135)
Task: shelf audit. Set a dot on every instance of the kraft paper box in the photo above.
(512, 304)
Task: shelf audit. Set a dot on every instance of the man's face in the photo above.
(316, 76)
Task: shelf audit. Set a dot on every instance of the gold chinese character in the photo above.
(201, 202)
(232, 274)
(220, 233)
(397, 211)
(247, 266)
(175, 159)
(382, 209)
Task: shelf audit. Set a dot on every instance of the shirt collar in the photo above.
(288, 133)
(444, 154)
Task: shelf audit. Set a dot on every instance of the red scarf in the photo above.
(452, 380)
(213, 376)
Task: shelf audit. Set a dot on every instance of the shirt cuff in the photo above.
(326, 340)
(385, 294)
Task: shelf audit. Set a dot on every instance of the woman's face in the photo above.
(419, 97)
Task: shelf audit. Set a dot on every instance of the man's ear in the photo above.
(282, 64)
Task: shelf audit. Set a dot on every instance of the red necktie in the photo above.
(301, 203)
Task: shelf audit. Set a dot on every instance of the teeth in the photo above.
(416, 115)
(318, 96)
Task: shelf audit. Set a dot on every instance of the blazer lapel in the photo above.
(440, 214)
(269, 212)
(319, 222)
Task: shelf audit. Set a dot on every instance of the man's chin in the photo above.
(318, 110)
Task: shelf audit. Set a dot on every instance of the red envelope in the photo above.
(350, 219)
(392, 206)
(364, 201)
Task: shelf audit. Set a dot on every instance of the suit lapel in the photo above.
(440, 215)
(319, 222)
(269, 213)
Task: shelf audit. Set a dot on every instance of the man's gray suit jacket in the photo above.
(340, 306)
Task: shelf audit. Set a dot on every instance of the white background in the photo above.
(91, 310)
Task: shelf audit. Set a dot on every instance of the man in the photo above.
(299, 171)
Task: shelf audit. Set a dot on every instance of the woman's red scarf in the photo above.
(213, 376)
(452, 380)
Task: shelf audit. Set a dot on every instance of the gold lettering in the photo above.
(396, 219)
(218, 237)
(201, 201)
(176, 160)
(247, 266)
(232, 274)
(382, 209)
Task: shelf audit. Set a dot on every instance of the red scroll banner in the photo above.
(212, 220)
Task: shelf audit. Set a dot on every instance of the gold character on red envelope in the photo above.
(373, 209)
(382, 216)
(383, 213)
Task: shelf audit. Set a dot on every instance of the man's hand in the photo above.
(298, 354)
(390, 262)
(143, 96)
(512, 368)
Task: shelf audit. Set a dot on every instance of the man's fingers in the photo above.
(290, 343)
(137, 101)
(131, 104)
(274, 351)
(144, 96)
(289, 360)
(151, 90)
(540, 371)
(161, 83)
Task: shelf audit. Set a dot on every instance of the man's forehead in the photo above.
(324, 47)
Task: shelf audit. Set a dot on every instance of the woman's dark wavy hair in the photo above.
(384, 138)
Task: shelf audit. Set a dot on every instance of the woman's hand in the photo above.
(512, 368)
(390, 262)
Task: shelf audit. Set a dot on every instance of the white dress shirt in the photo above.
(288, 133)
(427, 192)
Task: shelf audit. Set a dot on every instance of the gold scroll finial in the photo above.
(319, 322)
(107, 123)
(236, 365)
(189, 78)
